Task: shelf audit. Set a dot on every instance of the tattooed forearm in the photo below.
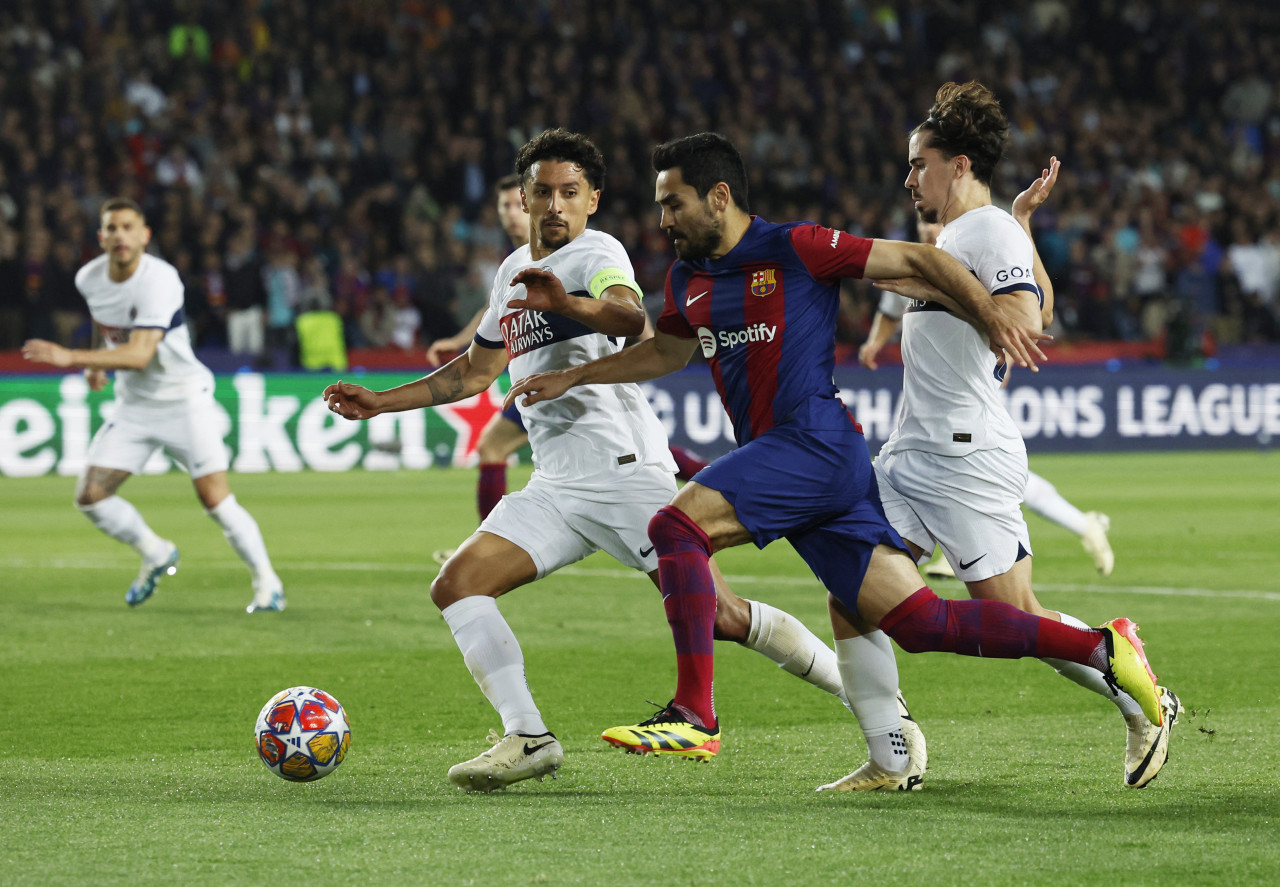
(445, 384)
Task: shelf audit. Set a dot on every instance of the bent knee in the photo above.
(455, 582)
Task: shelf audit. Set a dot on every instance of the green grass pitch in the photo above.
(126, 735)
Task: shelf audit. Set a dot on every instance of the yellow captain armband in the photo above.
(608, 277)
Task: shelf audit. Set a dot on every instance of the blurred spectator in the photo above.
(378, 319)
(246, 295)
(13, 320)
(59, 294)
(284, 292)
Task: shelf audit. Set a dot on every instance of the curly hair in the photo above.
(565, 147)
(705, 159)
(967, 119)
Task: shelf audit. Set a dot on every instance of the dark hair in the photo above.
(705, 160)
(506, 183)
(967, 119)
(118, 203)
(564, 146)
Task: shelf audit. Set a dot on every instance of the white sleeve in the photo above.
(893, 305)
(159, 301)
(1001, 257)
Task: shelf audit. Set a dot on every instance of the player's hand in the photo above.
(543, 291)
(443, 350)
(351, 401)
(40, 351)
(1018, 341)
(97, 379)
(540, 387)
(910, 287)
(1030, 200)
(867, 355)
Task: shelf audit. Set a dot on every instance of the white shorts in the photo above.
(970, 505)
(559, 525)
(190, 431)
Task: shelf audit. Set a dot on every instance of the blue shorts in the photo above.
(816, 489)
(512, 414)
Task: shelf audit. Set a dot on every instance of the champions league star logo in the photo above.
(764, 281)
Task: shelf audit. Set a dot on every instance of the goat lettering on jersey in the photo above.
(764, 281)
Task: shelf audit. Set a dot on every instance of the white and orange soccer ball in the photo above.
(302, 734)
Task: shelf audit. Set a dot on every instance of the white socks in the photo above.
(1044, 499)
(121, 521)
(870, 675)
(1091, 678)
(798, 651)
(242, 532)
(493, 656)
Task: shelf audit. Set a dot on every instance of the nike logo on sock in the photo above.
(805, 673)
(645, 552)
(965, 566)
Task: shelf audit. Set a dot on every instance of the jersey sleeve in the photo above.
(1001, 257)
(893, 305)
(671, 321)
(159, 303)
(609, 265)
(829, 253)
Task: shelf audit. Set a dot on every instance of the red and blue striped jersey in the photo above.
(765, 317)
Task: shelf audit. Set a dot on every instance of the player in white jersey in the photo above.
(1040, 495)
(954, 469)
(164, 398)
(602, 467)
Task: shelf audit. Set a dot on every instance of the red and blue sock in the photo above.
(689, 597)
(993, 629)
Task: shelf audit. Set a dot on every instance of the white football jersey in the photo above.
(951, 391)
(594, 434)
(152, 298)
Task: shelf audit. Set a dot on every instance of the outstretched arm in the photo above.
(132, 355)
(465, 375)
(648, 360)
(1024, 205)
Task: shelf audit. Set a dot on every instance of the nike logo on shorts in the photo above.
(691, 299)
(645, 552)
(965, 566)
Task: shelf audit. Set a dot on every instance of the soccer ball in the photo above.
(302, 734)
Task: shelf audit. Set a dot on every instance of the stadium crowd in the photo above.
(298, 156)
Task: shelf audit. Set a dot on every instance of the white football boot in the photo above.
(149, 575)
(513, 757)
(268, 595)
(1147, 747)
(872, 777)
(1094, 540)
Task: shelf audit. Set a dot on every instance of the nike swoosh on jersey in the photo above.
(965, 566)
(691, 299)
